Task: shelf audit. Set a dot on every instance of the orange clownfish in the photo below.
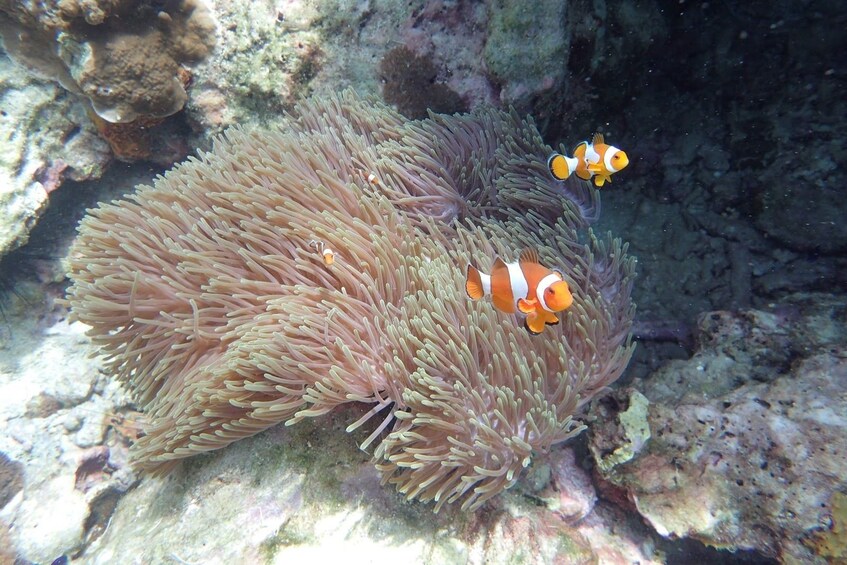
(601, 160)
(524, 285)
(591, 159)
(327, 253)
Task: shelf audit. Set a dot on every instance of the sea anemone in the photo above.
(206, 298)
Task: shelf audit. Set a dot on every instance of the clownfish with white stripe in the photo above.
(525, 286)
(594, 159)
(327, 254)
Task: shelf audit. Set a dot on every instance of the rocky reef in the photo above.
(731, 116)
(740, 446)
(47, 138)
(88, 65)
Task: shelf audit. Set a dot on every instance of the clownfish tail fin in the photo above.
(561, 166)
(473, 283)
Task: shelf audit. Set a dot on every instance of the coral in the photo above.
(265, 59)
(123, 56)
(207, 299)
(151, 139)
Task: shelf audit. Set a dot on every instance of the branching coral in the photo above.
(208, 301)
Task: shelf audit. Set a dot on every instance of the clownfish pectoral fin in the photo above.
(528, 255)
(534, 323)
(595, 167)
(473, 284)
(598, 139)
(527, 306)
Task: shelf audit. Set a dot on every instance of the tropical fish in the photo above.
(327, 253)
(601, 160)
(592, 159)
(524, 285)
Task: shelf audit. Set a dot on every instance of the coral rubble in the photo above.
(209, 302)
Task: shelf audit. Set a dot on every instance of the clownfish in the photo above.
(327, 253)
(601, 160)
(524, 285)
(591, 159)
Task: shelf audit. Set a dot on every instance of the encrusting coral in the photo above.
(124, 56)
(209, 302)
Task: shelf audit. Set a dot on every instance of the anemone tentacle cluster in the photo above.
(208, 301)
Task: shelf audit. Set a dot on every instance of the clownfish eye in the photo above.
(617, 157)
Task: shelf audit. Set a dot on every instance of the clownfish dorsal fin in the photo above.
(598, 139)
(529, 255)
(498, 264)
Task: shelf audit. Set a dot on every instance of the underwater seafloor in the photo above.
(722, 442)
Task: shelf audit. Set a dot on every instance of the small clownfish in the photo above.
(327, 253)
(601, 160)
(524, 285)
(370, 177)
